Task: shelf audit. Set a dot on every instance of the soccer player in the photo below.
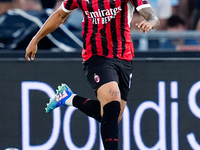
(107, 56)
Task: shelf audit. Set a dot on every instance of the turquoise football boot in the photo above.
(63, 94)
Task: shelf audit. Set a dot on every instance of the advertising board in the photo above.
(163, 111)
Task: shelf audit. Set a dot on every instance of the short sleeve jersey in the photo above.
(106, 26)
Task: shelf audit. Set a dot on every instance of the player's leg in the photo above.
(110, 99)
(91, 108)
(113, 96)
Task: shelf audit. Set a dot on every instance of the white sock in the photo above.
(69, 101)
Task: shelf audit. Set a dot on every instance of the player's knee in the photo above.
(114, 95)
(109, 98)
(109, 92)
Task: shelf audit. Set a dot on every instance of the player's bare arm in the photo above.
(151, 20)
(52, 23)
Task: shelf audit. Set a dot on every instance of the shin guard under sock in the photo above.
(109, 125)
(91, 108)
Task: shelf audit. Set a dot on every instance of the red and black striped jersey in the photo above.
(106, 26)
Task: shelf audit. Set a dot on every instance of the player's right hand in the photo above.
(31, 51)
(144, 26)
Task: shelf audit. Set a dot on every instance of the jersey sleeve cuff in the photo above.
(143, 6)
(64, 9)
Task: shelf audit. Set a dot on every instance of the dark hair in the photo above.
(174, 21)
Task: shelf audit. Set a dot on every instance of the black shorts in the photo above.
(100, 70)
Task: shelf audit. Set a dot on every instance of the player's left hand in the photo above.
(144, 26)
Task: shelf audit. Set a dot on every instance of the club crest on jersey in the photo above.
(96, 78)
(61, 96)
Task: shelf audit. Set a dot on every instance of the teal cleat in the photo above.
(63, 93)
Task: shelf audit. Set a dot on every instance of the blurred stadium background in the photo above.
(163, 110)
